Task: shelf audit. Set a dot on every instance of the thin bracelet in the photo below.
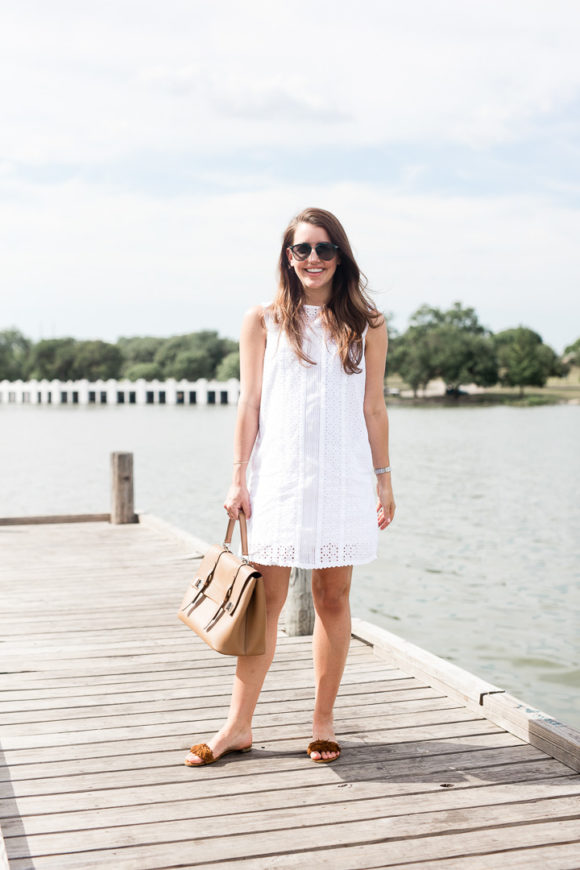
(383, 470)
(241, 462)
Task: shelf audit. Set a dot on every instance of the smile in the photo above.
(314, 271)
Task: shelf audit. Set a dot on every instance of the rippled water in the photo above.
(481, 565)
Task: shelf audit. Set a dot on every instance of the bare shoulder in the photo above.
(377, 331)
(377, 320)
(255, 315)
(253, 322)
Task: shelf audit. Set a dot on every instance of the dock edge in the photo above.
(535, 727)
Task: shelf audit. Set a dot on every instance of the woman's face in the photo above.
(314, 274)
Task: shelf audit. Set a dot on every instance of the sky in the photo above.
(152, 153)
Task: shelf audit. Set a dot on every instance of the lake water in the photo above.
(481, 565)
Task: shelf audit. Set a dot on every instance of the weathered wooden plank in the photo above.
(274, 806)
(52, 711)
(44, 723)
(545, 732)
(168, 532)
(199, 654)
(216, 842)
(141, 663)
(487, 849)
(144, 686)
(301, 677)
(164, 758)
(363, 775)
(146, 692)
(54, 519)
(59, 649)
(94, 639)
(357, 856)
(57, 657)
(558, 857)
(55, 709)
(371, 724)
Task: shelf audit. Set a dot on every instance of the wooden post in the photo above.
(122, 500)
(299, 609)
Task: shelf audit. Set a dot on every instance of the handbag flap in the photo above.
(223, 570)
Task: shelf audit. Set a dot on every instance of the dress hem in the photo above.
(310, 567)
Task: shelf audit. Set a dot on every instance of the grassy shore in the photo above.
(557, 391)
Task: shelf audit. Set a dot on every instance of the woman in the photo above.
(311, 425)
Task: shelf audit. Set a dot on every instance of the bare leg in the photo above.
(330, 591)
(236, 732)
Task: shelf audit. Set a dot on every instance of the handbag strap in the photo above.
(243, 533)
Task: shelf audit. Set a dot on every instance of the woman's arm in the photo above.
(376, 417)
(252, 346)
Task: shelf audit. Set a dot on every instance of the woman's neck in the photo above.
(316, 299)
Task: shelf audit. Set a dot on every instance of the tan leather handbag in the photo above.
(225, 603)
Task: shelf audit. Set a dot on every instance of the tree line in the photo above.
(451, 344)
(194, 355)
(454, 346)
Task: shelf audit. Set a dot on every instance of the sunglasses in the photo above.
(324, 250)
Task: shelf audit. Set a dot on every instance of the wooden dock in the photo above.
(103, 691)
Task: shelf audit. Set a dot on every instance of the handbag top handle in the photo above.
(243, 534)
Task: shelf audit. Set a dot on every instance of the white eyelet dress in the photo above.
(310, 474)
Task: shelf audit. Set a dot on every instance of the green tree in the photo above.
(96, 360)
(229, 367)
(139, 349)
(206, 343)
(190, 365)
(572, 353)
(53, 358)
(463, 357)
(524, 360)
(148, 371)
(170, 350)
(411, 356)
(451, 344)
(14, 355)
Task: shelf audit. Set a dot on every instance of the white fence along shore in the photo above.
(113, 392)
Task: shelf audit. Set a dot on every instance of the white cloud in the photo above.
(89, 81)
(105, 264)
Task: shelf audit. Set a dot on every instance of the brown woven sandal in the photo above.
(203, 751)
(323, 746)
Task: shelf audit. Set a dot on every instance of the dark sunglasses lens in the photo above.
(301, 252)
(325, 250)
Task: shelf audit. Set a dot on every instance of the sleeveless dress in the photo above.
(310, 474)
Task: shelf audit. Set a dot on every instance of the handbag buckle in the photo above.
(202, 584)
(226, 603)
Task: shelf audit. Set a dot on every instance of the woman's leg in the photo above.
(330, 591)
(236, 733)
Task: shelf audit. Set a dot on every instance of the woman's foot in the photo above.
(227, 739)
(324, 730)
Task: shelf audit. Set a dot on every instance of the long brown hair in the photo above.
(348, 311)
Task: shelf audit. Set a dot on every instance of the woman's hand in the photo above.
(238, 498)
(386, 502)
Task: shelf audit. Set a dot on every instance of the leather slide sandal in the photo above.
(203, 751)
(323, 746)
